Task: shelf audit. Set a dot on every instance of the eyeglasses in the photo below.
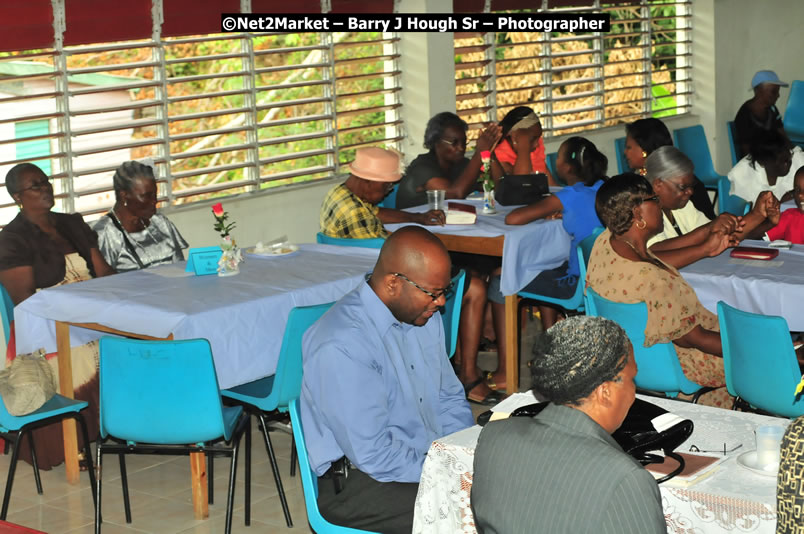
(682, 188)
(446, 292)
(38, 186)
(654, 198)
(454, 142)
(724, 451)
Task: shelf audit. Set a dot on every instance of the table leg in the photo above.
(198, 470)
(66, 388)
(511, 344)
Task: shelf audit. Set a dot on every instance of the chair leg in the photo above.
(10, 479)
(88, 453)
(293, 458)
(98, 478)
(230, 497)
(35, 464)
(248, 472)
(275, 470)
(124, 484)
(210, 477)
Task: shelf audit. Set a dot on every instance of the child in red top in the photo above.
(791, 222)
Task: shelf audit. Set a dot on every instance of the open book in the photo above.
(458, 213)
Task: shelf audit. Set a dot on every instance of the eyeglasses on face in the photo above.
(654, 198)
(446, 292)
(39, 186)
(682, 188)
(455, 142)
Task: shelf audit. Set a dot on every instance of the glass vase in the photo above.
(488, 201)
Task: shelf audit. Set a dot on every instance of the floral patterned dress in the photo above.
(673, 310)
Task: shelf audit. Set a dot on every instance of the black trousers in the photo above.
(364, 503)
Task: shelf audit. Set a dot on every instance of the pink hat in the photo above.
(376, 164)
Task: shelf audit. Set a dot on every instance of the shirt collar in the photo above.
(377, 311)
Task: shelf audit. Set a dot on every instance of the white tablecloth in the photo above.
(242, 316)
(527, 250)
(774, 287)
(731, 500)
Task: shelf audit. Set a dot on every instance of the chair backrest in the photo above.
(451, 314)
(390, 199)
(794, 113)
(373, 242)
(163, 392)
(619, 149)
(585, 250)
(6, 314)
(310, 480)
(288, 377)
(550, 161)
(759, 360)
(732, 131)
(728, 203)
(692, 142)
(658, 365)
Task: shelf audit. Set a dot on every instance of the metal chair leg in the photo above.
(35, 464)
(88, 453)
(124, 484)
(232, 477)
(98, 478)
(293, 458)
(275, 470)
(248, 472)
(10, 479)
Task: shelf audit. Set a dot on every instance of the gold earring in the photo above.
(644, 224)
(644, 154)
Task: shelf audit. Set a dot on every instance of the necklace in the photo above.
(645, 258)
(141, 225)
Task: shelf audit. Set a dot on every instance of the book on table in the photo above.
(696, 468)
(459, 213)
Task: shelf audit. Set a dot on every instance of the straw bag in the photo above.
(27, 383)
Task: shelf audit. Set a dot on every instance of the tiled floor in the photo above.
(159, 488)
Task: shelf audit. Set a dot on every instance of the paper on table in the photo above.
(757, 263)
(172, 270)
(517, 400)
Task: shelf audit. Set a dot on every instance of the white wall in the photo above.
(732, 40)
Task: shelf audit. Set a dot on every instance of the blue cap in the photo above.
(766, 76)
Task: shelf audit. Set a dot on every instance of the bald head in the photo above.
(413, 265)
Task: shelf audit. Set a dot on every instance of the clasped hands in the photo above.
(726, 230)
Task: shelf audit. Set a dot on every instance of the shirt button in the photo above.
(411, 367)
(420, 399)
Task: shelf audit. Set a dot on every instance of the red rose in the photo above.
(217, 209)
(485, 155)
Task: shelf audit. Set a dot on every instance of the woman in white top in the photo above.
(685, 228)
(769, 166)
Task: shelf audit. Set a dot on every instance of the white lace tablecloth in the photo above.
(731, 500)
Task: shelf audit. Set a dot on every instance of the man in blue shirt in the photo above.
(378, 387)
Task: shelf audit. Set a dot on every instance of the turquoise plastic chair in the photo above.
(390, 199)
(759, 360)
(451, 314)
(158, 397)
(727, 203)
(267, 397)
(622, 163)
(576, 301)
(6, 312)
(692, 142)
(658, 367)
(373, 242)
(310, 481)
(733, 142)
(15, 428)
(550, 160)
(794, 113)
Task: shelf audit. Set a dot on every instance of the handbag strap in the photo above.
(126, 241)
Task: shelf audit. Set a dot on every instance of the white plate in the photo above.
(284, 250)
(748, 460)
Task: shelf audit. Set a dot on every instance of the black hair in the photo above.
(587, 162)
(513, 117)
(766, 147)
(649, 134)
(15, 174)
(438, 123)
(616, 199)
(128, 173)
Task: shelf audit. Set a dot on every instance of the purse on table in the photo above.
(515, 189)
(646, 428)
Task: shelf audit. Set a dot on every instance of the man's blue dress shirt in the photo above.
(376, 390)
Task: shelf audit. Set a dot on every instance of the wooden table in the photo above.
(187, 307)
(493, 246)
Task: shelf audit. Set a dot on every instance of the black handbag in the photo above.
(515, 189)
(637, 435)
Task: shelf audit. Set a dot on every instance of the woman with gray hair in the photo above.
(585, 367)
(132, 235)
(685, 228)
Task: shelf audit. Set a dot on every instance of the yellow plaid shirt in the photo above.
(343, 214)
